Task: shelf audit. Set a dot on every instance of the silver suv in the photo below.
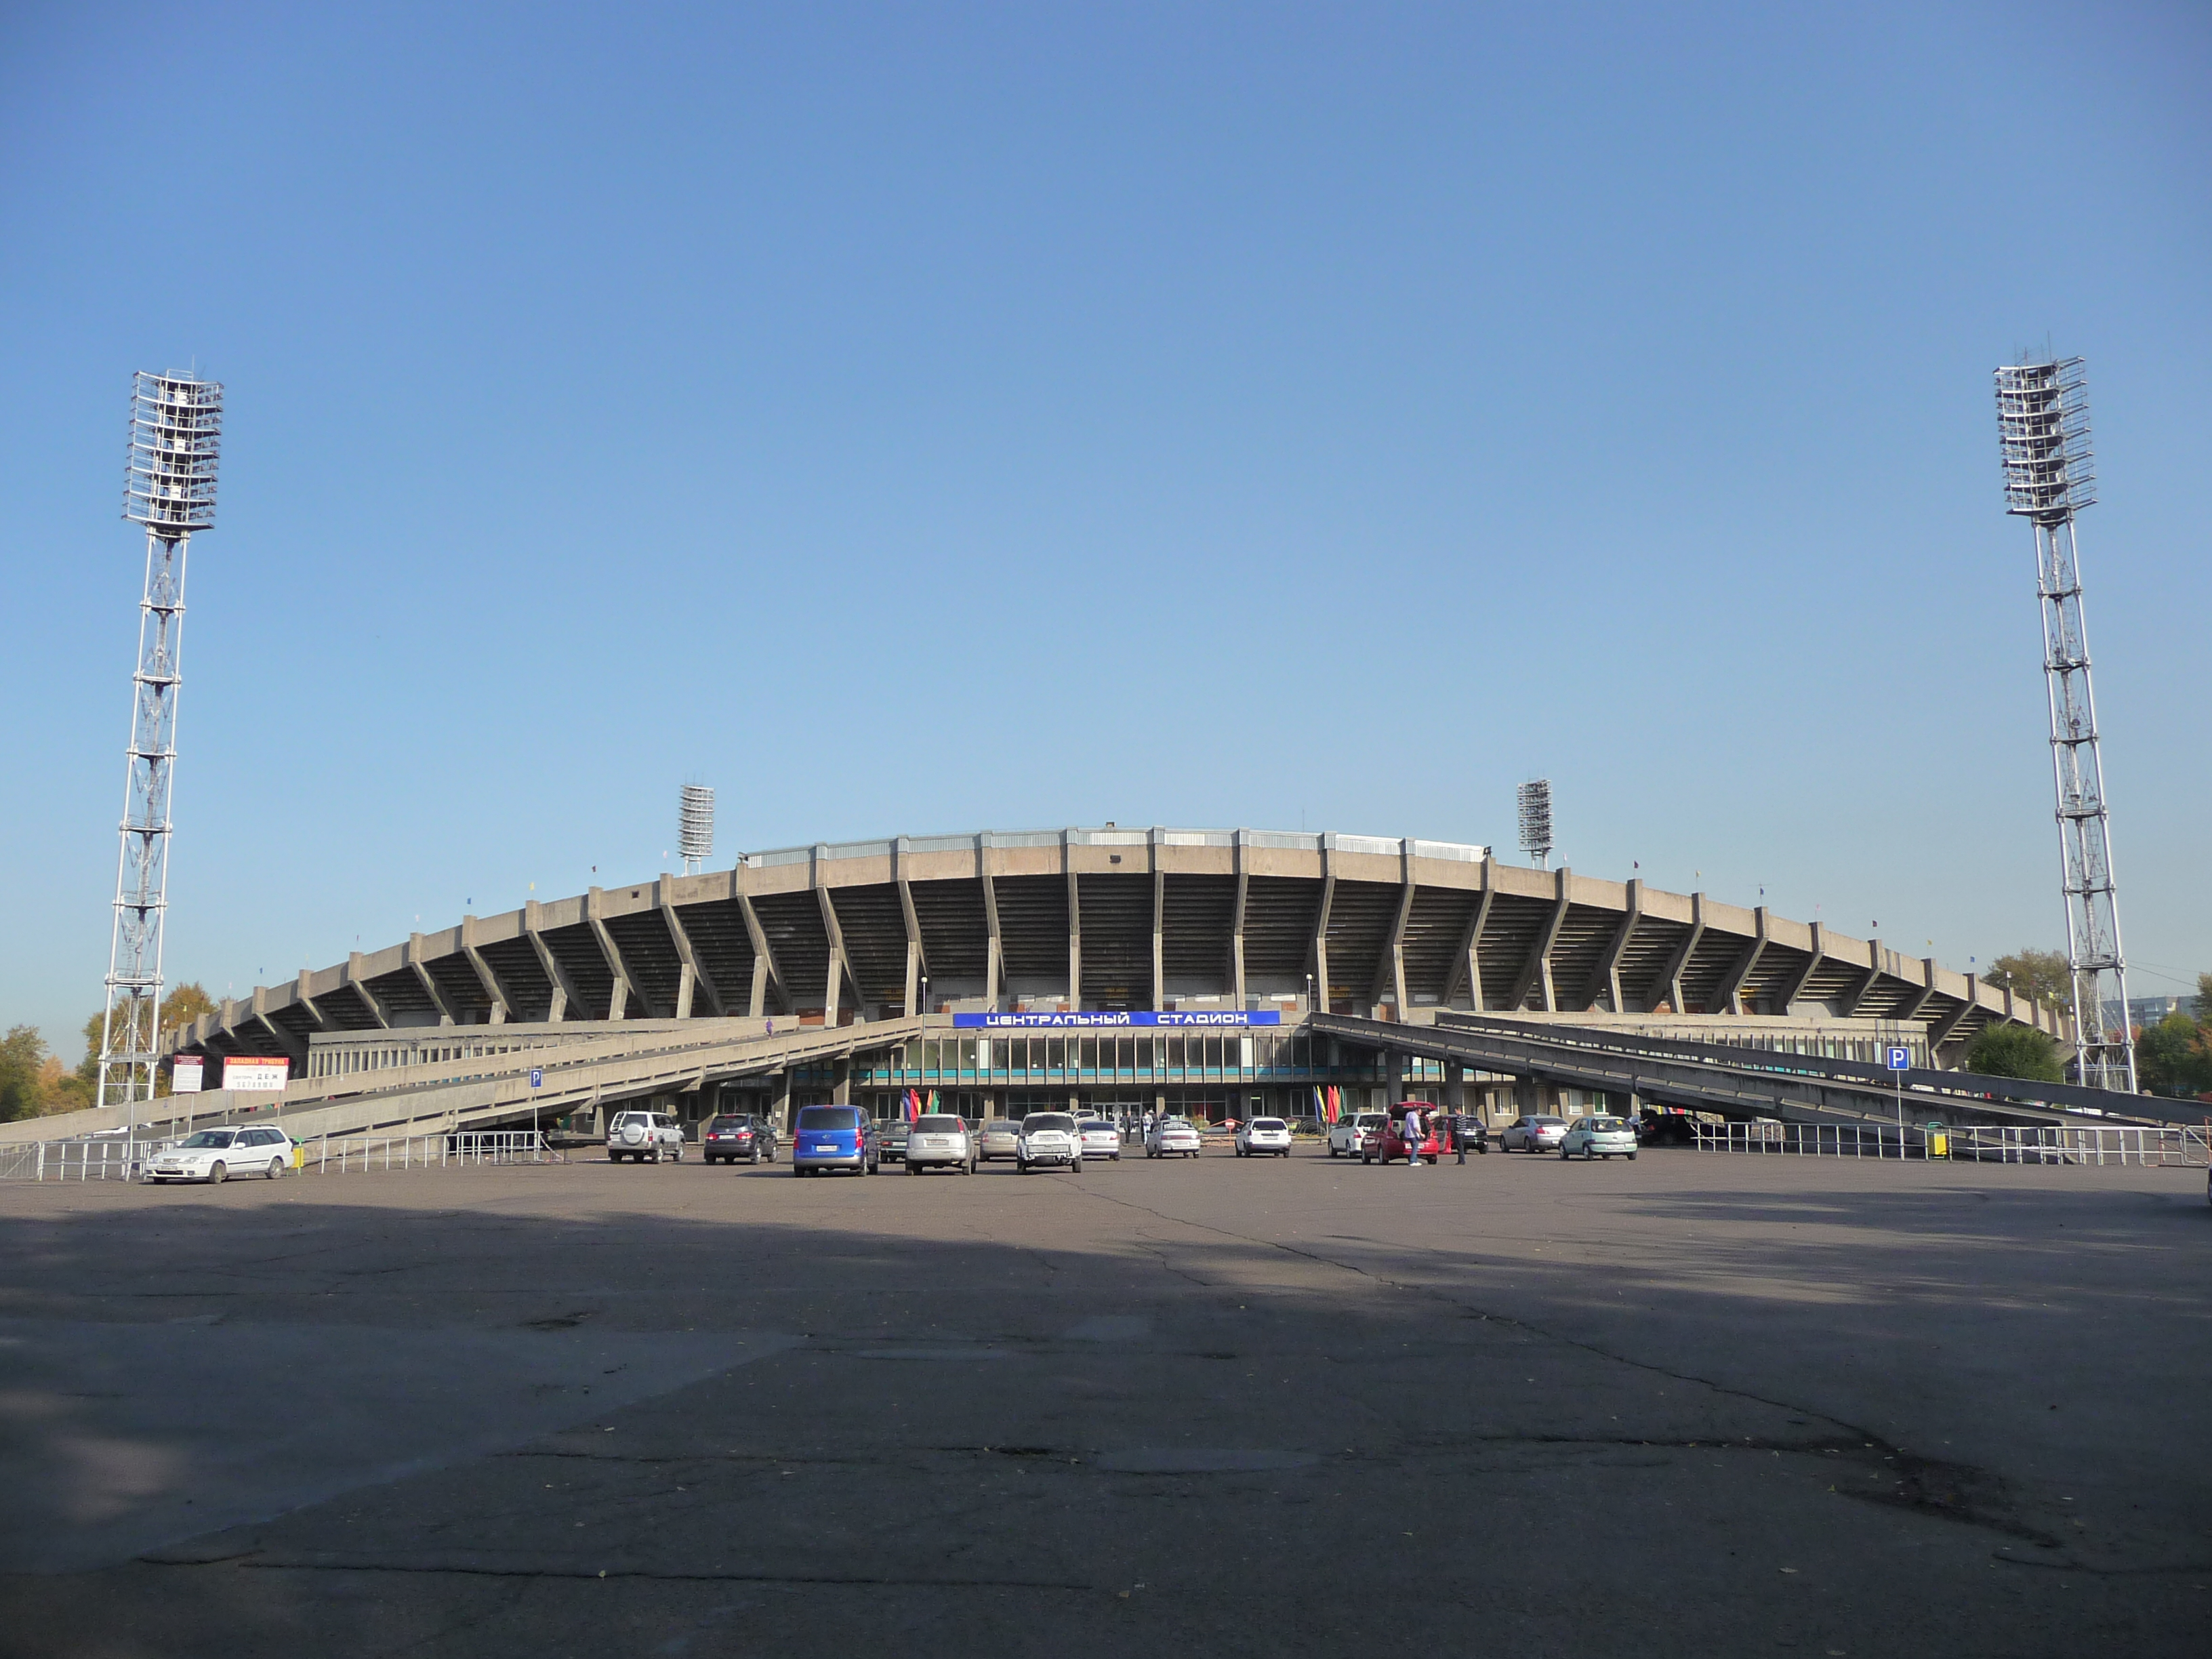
(643, 1136)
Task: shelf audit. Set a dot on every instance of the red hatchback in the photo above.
(1387, 1144)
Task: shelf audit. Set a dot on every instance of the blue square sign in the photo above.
(1900, 1060)
(537, 1072)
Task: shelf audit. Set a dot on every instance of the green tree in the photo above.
(22, 1056)
(2204, 999)
(183, 1005)
(2018, 1051)
(2172, 1058)
(2042, 974)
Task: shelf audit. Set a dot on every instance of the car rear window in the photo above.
(1040, 1121)
(829, 1117)
(1607, 1123)
(1000, 1125)
(1267, 1124)
(1546, 1120)
(938, 1126)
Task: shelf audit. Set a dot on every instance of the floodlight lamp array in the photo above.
(176, 437)
(695, 831)
(1534, 801)
(2043, 434)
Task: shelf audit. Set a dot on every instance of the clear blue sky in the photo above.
(923, 418)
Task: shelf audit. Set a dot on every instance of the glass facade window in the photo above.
(1056, 1054)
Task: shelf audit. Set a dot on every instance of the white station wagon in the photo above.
(1262, 1137)
(215, 1155)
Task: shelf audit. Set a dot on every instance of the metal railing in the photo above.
(2179, 1146)
(356, 1154)
(1810, 1140)
(78, 1160)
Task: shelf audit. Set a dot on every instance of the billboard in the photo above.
(185, 1075)
(255, 1072)
(1099, 1020)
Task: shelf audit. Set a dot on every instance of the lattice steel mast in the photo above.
(2042, 425)
(176, 431)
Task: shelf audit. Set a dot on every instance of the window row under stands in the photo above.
(1210, 1059)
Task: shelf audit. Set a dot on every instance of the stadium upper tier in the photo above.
(1069, 920)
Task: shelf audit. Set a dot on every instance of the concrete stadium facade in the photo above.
(1242, 926)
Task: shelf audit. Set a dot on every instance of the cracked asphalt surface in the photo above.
(1694, 1404)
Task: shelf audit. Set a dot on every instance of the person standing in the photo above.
(1409, 1131)
(1459, 1135)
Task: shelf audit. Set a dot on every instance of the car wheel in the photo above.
(755, 1158)
(217, 1175)
(913, 1168)
(276, 1168)
(1115, 1157)
(1632, 1157)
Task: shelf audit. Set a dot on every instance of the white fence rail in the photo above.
(78, 1160)
(1971, 1143)
(2186, 1147)
(126, 1160)
(356, 1154)
(1809, 1140)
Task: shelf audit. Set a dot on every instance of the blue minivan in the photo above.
(834, 1138)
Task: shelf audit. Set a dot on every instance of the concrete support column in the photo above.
(1317, 958)
(782, 1109)
(1394, 1074)
(842, 1080)
(1159, 922)
(1074, 931)
(1236, 924)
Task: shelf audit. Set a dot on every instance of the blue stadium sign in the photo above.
(1900, 1060)
(537, 1077)
(1093, 1021)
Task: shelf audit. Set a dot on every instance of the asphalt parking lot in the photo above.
(1689, 1405)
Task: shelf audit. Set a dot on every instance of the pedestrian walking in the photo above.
(1459, 1135)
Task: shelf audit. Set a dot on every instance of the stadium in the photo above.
(1110, 968)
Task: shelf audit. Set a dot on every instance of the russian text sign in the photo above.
(1101, 1020)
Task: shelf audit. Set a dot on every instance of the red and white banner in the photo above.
(185, 1073)
(255, 1072)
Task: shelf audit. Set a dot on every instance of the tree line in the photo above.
(35, 1083)
(2173, 1058)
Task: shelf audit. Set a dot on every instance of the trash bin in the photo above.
(1939, 1141)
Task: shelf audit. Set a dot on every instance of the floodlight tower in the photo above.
(1534, 799)
(2043, 430)
(168, 486)
(695, 827)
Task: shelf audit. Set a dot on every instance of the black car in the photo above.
(1466, 1133)
(891, 1138)
(737, 1135)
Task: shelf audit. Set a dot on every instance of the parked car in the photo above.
(1049, 1140)
(1264, 1137)
(834, 1138)
(1668, 1129)
(935, 1142)
(1100, 1138)
(891, 1138)
(1388, 1142)
(643, 1137)
(735, 1135)
(1002, 1137)
(1598, 1137)
(1533, 1135)
(1170, 1136)
(1464, 1128)
(215, 1155)
(1348, 1133)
